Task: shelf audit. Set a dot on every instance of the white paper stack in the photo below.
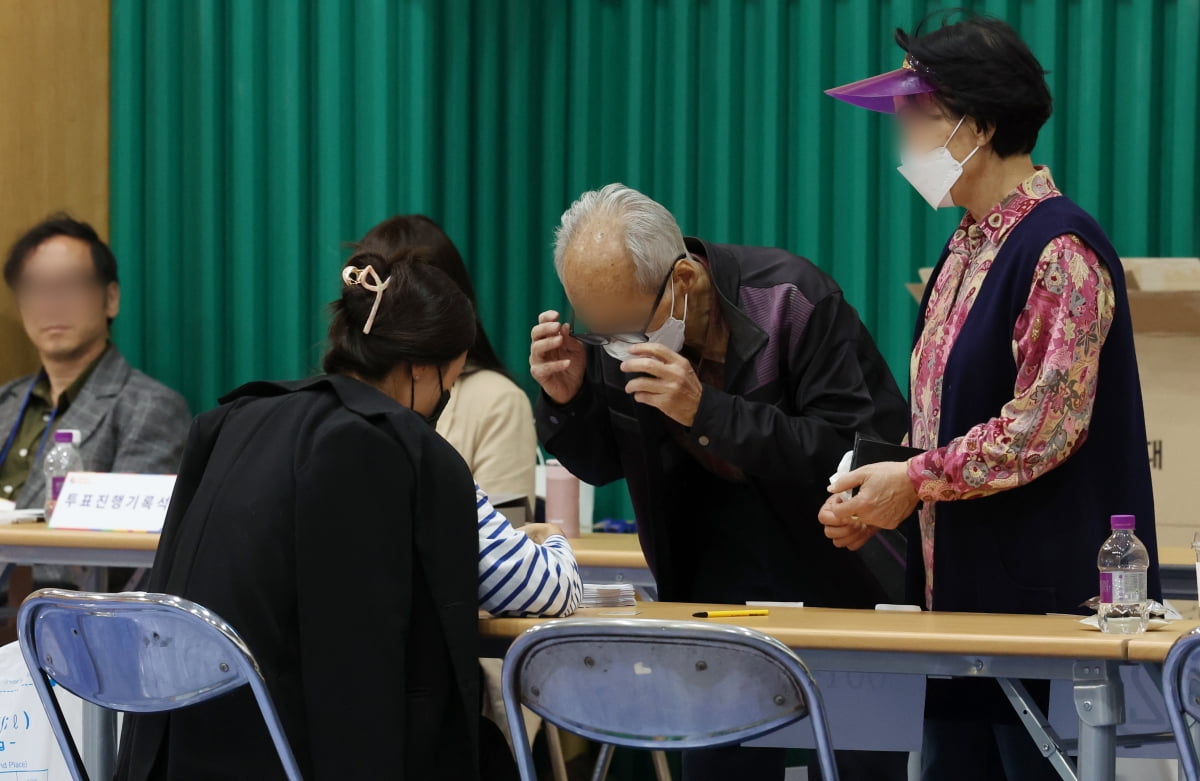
(22, 516)
(608, 595)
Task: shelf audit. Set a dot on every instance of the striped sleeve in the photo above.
(516, 575)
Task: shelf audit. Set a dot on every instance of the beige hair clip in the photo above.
(368, 278)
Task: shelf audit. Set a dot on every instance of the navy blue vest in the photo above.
(1033, 549)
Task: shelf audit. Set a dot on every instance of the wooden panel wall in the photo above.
(54, 86)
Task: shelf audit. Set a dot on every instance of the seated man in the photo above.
(64, 279)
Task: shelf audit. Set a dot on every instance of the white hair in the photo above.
(652, 236)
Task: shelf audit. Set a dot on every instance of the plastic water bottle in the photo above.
(62, 459)
(1123, 562)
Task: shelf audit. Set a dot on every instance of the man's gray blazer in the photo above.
(127, 422)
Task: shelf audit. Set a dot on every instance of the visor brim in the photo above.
(877, 92)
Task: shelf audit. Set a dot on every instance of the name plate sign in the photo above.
(95, 501)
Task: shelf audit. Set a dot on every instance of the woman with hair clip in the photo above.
(285, 484)
(488, 420)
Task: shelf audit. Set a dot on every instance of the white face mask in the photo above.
(670, 334)
(933, 173)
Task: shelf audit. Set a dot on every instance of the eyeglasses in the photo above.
(628, 337)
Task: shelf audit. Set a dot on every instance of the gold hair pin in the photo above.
(368, 278)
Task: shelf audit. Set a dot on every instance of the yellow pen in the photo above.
(730, 613)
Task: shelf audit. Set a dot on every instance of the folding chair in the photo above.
(1181, 693)
(138, 653)
(659, 685)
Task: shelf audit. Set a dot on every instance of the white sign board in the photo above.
(95, 501)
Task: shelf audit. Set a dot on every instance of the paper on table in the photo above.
(608, 595)
(1093, 622)
(28, 515)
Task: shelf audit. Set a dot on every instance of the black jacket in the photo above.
(802, 375)
(336, 532)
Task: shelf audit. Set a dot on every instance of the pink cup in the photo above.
(562, 498)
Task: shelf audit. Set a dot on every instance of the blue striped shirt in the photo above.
(516, 575)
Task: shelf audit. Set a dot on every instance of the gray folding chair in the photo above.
(659, 685)
(138, 653)
(1181, 692)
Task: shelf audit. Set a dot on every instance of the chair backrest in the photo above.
(1181, 692)
(139, 653)
(662, 684)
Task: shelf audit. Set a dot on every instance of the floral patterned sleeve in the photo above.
(1056, 344)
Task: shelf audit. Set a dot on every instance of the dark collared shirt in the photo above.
(31, 428)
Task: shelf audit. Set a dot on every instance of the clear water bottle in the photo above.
(62, 459)
(1123, 562)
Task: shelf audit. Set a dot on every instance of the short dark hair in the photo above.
(60, 224)
(409, 232)
(423, 319)
(982, 69)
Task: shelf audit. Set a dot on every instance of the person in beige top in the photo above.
(490, 423)
(488, 420)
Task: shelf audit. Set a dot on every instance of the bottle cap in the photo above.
(1123, 522)
(67, 436)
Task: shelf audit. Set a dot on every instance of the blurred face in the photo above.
(924, 124)
(64, 307)
(600, 281)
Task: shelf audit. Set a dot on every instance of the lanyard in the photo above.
(12, 435)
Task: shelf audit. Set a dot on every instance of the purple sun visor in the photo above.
(876, 93)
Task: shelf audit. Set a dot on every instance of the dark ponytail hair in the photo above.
(982, 69)
(405, 233)
(423, 319)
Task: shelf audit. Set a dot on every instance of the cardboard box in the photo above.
(1164, 300)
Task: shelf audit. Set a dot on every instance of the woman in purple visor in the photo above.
(1025, 398)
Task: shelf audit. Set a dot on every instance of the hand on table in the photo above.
(539, 532)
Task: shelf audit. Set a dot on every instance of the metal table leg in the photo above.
(1038, 727)
(99, 724)
(1100, 703)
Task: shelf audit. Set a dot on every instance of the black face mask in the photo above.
(438, 409)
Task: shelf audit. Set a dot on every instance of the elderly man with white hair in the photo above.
(724, 383)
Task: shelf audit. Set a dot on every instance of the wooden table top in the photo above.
(1176, 557)
(819, 628)
(1154, 645)
(623, 550)
(596, 550)
(871, 630)
(38, 535)
(608, 550)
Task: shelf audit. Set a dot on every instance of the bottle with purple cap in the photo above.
(1123, 562)
(62, 459)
